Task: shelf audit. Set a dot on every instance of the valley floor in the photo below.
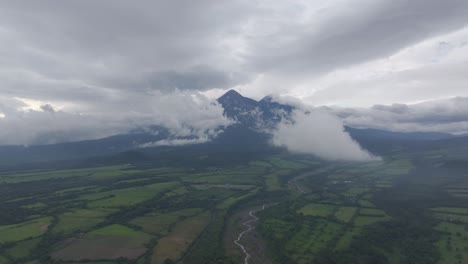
(279, 209)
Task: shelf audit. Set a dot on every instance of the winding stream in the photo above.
(250, 227)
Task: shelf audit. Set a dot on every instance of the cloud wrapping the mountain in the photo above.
(175, 142)
(321, 134)
(184, 115)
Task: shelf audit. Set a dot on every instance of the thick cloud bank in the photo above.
(321, 134)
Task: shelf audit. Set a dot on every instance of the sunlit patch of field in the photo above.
(176, 192)
(286, 164)
(110, 242)
(397, 167)
(365, 203)
(345, 213)
(223, 186)
(97, 172)
(452, 217)
(260, 163)
(37, 205)
(451, 214)
(315, 209)
(179, 239)
(272, 182)
(25, 230)
(126, 197)
(226, 179)
(80, 220)
(453, 243)
(368, 216)
(383, 184)
(76, 190)
(356, 191)
(228, 202)
(451, 210)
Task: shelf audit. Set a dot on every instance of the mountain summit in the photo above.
(265, 113)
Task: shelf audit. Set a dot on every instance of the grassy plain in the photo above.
(80, 220)
(315, 209)
(29, 229)
(110, 242)
(160, 223)
(453, 244)
(345, 214)
(179, 239)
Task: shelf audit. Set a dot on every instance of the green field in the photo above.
(452, 217)
(345, 241)
(126, 197)
(368, 220)
(310, 239)
(160, 223)
(356, 191)
(80, 220)
(372, 212)
(272, 183)
(22, 249)
(179, 239)
(345, 214)
(287, 164)
(29, 229)
(110, 242)
(314, 209)
(450, 210)
(453, 244)
(99, 172)
(365, 203)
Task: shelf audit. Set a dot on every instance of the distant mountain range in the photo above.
(252, 119)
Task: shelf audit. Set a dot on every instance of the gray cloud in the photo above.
(420, 84)
(120, 60)
(197, 78)
(356, 32)
(448, 115)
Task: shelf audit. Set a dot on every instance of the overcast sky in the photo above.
(119, 61)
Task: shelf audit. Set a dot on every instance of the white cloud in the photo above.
(432, 69)
(321, 134)
(175, 142)
(184, 114)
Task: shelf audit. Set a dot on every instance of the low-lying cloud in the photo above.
(321, 134)
(175, 142)
(184, 115)
(446, 115)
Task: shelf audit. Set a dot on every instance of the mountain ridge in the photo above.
(252, 118)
